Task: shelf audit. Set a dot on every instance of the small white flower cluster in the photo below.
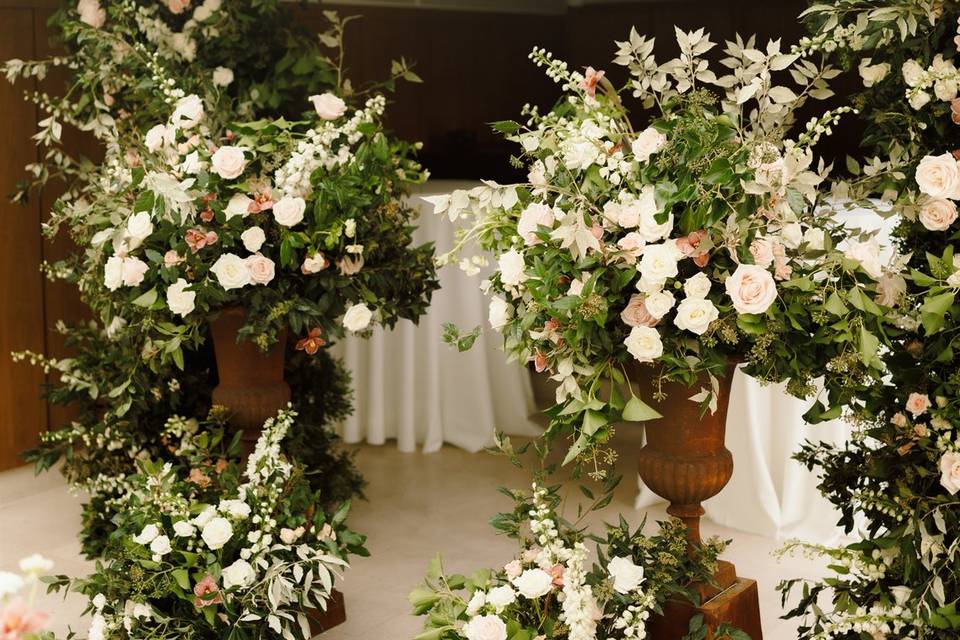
(633, 621)
(328, 145)
(556, 70)
(267, 460)
(580, 611)
(879, 621)
(941, 77)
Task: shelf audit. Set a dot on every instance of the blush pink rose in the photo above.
(918, 403)
(636, 313)
(513, 569)
(752, 289)
(177, 6)
(262, 269)
(950, 472)
(171, 258)
(762, 251)
(938, 214)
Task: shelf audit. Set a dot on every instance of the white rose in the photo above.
(659, 303)
(192, 164)
(695, 315)
(205, 516)
(697, 286)
(91, 13)
(536, 214)
(626, 575)
(939, 176)
(873, 73)
(950, 472)
(357, 318)
(314, 264)
(217, 533)
(752, 289)
(183, 529)
(228, 162)
(476, 603)
(222, 76)
(239, 574)
(238, 205)
(501, 597)
(139, 228)
(10, 583)
(179, 299)
(659, 262)
(485, 628)
(127, 272)
(160, 546)
(919, 100)
(328, 106)
(289, 211)
(500, 313)
(647, 143)
(231, 271)
(938, 214)
(157, 136)
(253, 239)
(35, 565)
(867, 253)
(644, 344)
(147, 535)
(533, 583)
(261, 268)
(188, 112)
(912, 73)
(512, 268)
(648, 227)
(235, 508)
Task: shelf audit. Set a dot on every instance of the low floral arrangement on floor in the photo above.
(121, 412)
(553, 588)
(209, 550)
(681, 243)
(19, 618)
(898, 477)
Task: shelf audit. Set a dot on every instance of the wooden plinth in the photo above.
(735, 601)
(336, 614)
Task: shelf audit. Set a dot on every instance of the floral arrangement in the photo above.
(19, 619)
(681, 243)
(205, 548)
(554, 589)
(900, 469)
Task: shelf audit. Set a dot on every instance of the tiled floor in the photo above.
(418, 505)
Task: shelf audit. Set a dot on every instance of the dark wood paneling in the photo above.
(22, 412)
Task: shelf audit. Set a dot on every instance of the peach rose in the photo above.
(636, 313)
(950, 472)
(752, 289)
(918, 403)
(939, 176)
(938, 214)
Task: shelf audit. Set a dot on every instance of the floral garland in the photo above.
(900, 471)
(696, 238)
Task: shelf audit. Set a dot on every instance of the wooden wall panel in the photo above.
(22, 412)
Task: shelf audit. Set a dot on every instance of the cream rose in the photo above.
(239, 574)
(253, 239)
(912, 73)
(126, 272)
(918, 403)
(262, 269)
(697, 286)
(160, 546)
(288, 211)
(179, 299)
(752, 289)
(647, 225)
(649, 142)
(659, 262)
(512, 268)
(499, 313)
(228, 162)
(157, 136)
(501, 597)
(139, 228)
(222, 76)
(357, 318)
(147, 534)
(659, 303)
(238, 205)
(314, 264)
(91, 13)
(485, 628)
(939, 176)
(533, 583)
(231, 271)
(762, 251)
(188, 112)
(644, 344)
(183, 529)
(328, 106)
(217, 532)
(950, 472)
(627, 576)
(873, 73)
(695, 315)
(938, 214)
(867, 253)
(535, 215)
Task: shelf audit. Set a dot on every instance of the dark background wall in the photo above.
(475, 70)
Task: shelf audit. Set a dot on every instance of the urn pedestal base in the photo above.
(738, 605)
(335, 615)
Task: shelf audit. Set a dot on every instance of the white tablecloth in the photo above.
(411, 386)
